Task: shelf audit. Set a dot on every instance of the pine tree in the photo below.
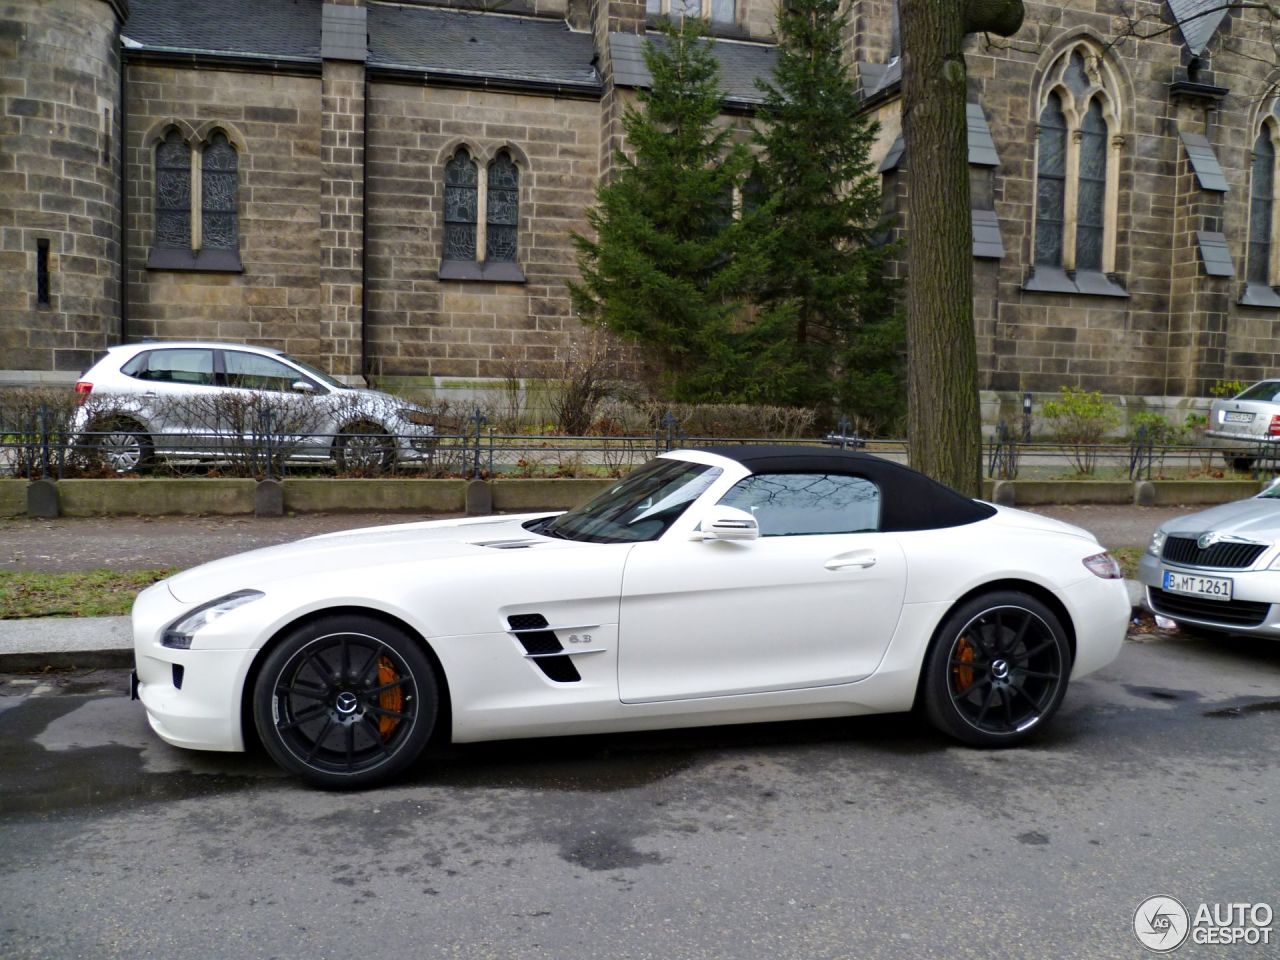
(826, 312)
(665, 269)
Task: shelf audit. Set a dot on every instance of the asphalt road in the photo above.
(868, 838)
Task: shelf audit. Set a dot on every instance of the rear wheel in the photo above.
(1242, 464)
(123, 445)
(997, 670)
(346, 702)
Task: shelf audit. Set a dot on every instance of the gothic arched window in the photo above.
(173, 192)
(197, 224)
(1077, 169)
(460, 194)
(218, 189)
(1262, 209)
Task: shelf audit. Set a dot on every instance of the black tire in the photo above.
(121, 444)
(364, 446)
(345, 702)
(997, 670)
(1242, 464)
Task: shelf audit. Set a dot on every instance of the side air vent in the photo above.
(542, 645)
(505, 544)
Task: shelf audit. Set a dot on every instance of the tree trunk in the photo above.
(944, 425)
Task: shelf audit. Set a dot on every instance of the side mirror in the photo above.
(301, 386)
(728, 523)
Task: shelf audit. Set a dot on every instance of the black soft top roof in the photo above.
(909, 499)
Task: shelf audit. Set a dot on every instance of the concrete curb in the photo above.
(107, 642)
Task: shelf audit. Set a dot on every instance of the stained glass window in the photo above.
(1093, 189)
(503, 214)
(1261, 204)
(460, 207)
(173, 192)
(1051, 181)
(218, 195)
(1076, 79)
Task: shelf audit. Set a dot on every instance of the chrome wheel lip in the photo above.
(999, 673)
(327, 710)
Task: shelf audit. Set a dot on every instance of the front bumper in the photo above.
(192, 697)
(1254, 607)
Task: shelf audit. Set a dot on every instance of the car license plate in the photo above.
(1194, 585)
(1237, 416)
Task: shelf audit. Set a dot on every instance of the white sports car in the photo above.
(713, 586)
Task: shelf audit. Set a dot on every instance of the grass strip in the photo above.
(82, 593)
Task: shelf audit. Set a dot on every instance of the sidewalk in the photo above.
(145, 542)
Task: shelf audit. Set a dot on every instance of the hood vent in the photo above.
(504, 544)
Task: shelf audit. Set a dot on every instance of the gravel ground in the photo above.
(134, 543)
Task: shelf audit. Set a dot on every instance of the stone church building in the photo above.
(388, 190)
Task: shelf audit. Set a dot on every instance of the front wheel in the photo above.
(364, 447)
(346, 702)
(997, 670)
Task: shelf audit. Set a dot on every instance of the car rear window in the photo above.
(1268, 391)
(173, 366)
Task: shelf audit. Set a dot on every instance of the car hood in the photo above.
(1255, 519)
(361, 549)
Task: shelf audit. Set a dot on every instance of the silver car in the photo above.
(1245, 426)
(199, 400)
(1219, 569)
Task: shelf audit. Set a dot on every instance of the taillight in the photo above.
(84, 388)
(1274, 429)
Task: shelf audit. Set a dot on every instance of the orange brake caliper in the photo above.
(963, 675)
(392, 699)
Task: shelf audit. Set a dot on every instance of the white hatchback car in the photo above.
(213, 400)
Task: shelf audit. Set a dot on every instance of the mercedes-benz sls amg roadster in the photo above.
(712, 586)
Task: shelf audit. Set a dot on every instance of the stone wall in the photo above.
(275, 122)
(422, 326)
(59, 185)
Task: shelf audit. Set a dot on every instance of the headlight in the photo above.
(179, 634)
(1103, 565)
(419, 417)
(1156, 546)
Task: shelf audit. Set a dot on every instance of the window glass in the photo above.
(1093, 189)
(722, 11)
(251, 371)
(640, 507)
(791, 504)
(652, 6)
(173, 192)
(180, 366)
(1266, 391)
(1074, 76)
(1261, 198)
(503, 209)
(460, 207)
(218, 195)
(1051, 175)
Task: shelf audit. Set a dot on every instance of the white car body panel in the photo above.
(796, 639)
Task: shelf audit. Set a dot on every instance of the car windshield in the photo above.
(640, 507)
(320, 375)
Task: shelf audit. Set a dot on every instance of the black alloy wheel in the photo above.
(346, 702)
(997, 670)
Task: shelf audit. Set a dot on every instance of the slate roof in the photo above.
(480, 45)
(1198, 20)
(1204, 162)
(982, 149)
(741, 64)
(284, 29)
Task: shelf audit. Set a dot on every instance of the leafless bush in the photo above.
(733, 419)
(588, 374)
(37, 434)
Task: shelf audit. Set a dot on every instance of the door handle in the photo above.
(151, 394)
(864, 561)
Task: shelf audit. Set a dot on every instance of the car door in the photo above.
(264, 400)
(174, 393)
(813, 601)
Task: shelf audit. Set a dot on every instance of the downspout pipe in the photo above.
(365, 364)
(123, 193)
